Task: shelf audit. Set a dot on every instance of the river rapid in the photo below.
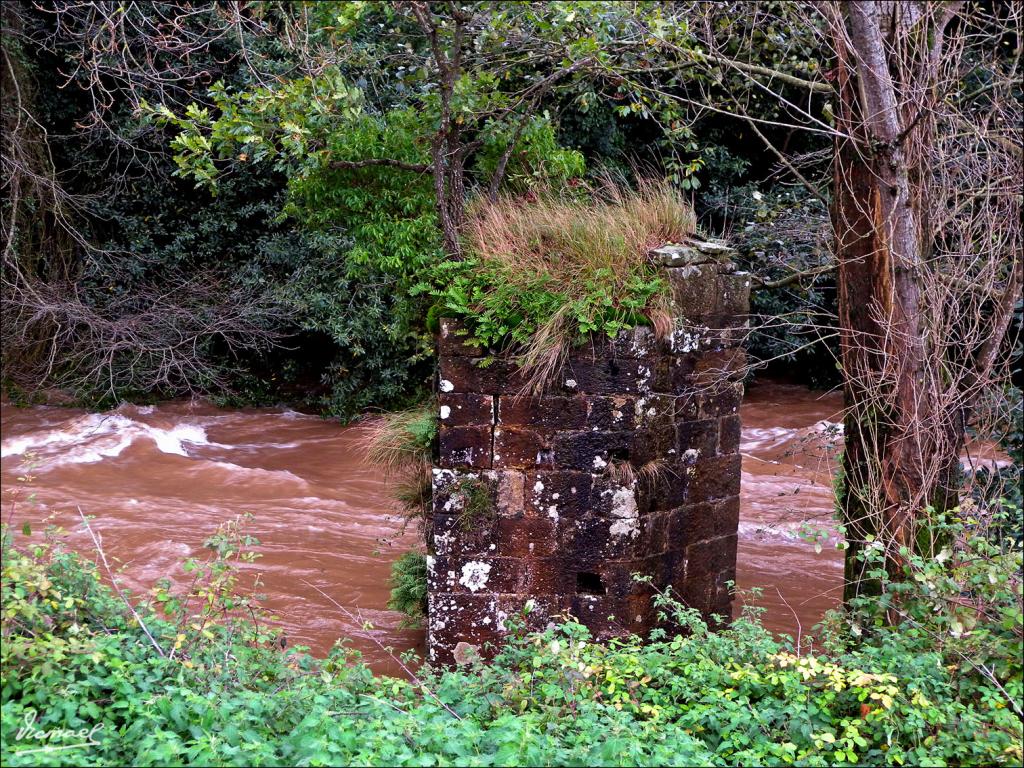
(158, 480)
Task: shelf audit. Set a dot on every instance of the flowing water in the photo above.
(157, 481)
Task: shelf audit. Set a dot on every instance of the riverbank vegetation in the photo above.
(931, 675)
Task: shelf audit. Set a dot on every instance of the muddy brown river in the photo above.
(157, 481)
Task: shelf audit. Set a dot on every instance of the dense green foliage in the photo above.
(154, 258)
(409, 588)
(304, 226)
(941, 686)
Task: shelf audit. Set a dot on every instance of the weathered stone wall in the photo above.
(629, 464)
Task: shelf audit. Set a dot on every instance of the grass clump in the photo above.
(478, 508)
(396, 440)
(648, 475)
(543, 275)
(402, 443)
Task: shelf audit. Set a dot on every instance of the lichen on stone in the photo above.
(475, 575)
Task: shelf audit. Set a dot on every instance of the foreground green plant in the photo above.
(409, 588)
(73, 658)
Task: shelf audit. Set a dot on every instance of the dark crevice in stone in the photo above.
(589, 584)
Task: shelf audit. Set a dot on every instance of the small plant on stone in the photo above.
(648, 475)
(409, 588)
(478, 509)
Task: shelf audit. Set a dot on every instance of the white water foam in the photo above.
(94, 437)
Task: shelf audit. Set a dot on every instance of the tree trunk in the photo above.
(879, 220)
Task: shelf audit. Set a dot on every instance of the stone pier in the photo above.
(629, 463)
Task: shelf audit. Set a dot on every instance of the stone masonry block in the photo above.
(733, 294)
(612, 376)
(690, 338)
(557, 494)
(699, 436)
(509, 490)
(610, 413)
(551, 577)
(477, 575)
(696, 592)
(453, 337)
(466, 374)
(656, 445)
(720, 400)
(609, 617)
(454, 619)
(543, 414)
(527, 537)
(726, 331)
(665, 488)
(715, 478)
(465, 447)
(727, 518)
(653, 538)
(522, 448)
(722, 366)
(618, 577)
(588, 541)
(463, 409)
(591, 451)
(706, 559)
(634, 343)
(448, 488)
(601, 377)
(453, 535)
(693, 523)
(654, 411)
(694, 289)
(681, 377)
(729, 432)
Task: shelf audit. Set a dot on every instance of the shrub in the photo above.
(964, 606)
(75, 657)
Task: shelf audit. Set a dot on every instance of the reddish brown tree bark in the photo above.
(895, 432)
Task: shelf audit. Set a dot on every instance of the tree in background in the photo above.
(86, 306)
(927, 215)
